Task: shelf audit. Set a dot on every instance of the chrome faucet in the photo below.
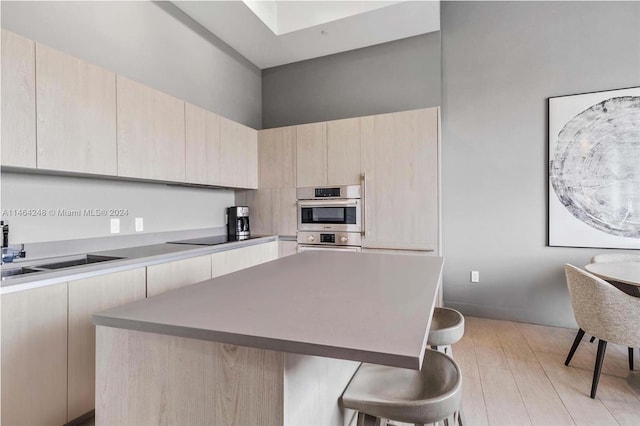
(10, 253)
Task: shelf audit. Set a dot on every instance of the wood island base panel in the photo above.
(145, 378)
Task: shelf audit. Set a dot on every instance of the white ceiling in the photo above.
(271, 33)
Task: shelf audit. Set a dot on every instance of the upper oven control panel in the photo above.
(327, 192)
(324, 192)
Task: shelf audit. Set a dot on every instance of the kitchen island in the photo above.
(273, 344)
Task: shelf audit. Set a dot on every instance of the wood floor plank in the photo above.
(621, 401)
(473, 405)
(487, 344)
(465, 355)
(573, 388)
(502, 398)
(543, 404)
(513, 343)
(547, 339)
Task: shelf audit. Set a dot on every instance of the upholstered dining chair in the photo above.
(603, 311)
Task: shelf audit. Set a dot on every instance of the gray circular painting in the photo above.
(595, 169)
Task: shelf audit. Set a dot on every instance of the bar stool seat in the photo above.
(447, 327)
(420, 397)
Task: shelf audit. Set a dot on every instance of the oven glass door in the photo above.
(322, 215)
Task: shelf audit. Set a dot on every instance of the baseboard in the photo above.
(509, 314)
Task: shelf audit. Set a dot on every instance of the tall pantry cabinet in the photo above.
(400, 174)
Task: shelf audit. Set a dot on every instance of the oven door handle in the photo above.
(363, 207)
(328, 203)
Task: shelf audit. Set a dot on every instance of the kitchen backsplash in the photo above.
(43, 208)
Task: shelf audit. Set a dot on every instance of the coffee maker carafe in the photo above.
(238, 223)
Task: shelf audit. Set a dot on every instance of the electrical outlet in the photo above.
(139, 224)
(115, 226)
(475, 276)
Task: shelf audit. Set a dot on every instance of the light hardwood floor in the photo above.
(514, 374)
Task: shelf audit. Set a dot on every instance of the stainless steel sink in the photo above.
(13, 272)
(61, 263)
(83, 260)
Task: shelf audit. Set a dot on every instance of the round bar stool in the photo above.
(447, 327)
(431, 395)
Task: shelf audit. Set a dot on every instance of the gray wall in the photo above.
(395, 76)
(157, 45)
(153, 43)
(500, 63)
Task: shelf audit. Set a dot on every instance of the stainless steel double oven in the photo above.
(330, 218)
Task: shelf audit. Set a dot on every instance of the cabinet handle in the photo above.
(363, 183)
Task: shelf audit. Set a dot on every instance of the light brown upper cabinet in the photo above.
(400, 161)
(277, 158)
(238, 155)
(343, 152)
(328, 153)
(311, 154)
(151, 133)
(76, 114)
(18, 101)
(202, 146)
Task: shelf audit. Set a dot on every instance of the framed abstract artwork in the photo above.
(594, 169)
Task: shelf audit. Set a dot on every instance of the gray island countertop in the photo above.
(358, 306)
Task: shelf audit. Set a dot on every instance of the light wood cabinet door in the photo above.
(87, 297)
(76, 114)
(400, 161)
(231, 147)
(18, 101)
(343, 152)
(239, 155)
(202, 146)
(34, 356)
(287, 248)
(277, 158)
(180, 273)
(251, 153)
(151, 133)
(311, 154)
(272, 211)
(260, 203)
(226, 262)
(284, 212)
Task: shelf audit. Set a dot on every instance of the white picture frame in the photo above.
(594, 169)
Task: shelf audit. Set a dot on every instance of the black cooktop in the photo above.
(215, 240)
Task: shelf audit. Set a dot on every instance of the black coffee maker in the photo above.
(238, 223)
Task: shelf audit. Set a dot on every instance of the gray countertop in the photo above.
(132, 257)
(359, 306)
